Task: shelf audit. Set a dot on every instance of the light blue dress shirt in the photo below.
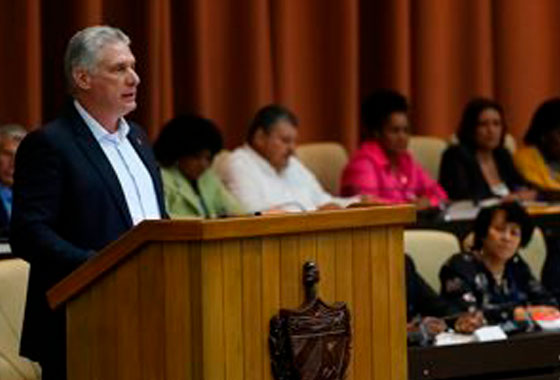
(136, 182)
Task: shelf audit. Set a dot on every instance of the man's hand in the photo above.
(368, 200)
(422, 203)
(467, 323)
(522, 195)
(273, 211)
(433, 325)
(329, 206)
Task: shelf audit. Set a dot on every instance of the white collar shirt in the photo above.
(135, 180)
(260, 187)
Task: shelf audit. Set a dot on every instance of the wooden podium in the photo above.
(192, 299)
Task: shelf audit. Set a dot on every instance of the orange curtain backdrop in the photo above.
(527, 36)
(442, 53)
(234, 57)
(20, 62)
(316, 54)
(225, 59)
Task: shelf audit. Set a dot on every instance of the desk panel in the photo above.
(528, 356)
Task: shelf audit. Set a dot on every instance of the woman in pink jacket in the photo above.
(383, 168)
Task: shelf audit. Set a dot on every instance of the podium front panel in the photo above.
(201, 309)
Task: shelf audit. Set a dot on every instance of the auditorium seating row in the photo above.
(428, 248)
(326, 160)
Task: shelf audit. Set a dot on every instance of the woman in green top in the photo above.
(185, 150)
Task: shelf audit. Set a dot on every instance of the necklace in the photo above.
(498, 277)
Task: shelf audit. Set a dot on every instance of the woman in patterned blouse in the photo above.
(492, 277)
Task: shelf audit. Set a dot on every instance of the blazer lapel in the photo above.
(89, 145)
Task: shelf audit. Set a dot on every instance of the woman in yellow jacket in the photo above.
(539, 163)
(539, 160)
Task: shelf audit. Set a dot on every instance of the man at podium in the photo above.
(81, 181)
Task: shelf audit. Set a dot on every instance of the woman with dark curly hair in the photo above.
(539, 161)
(383, 169)
(185, 150)
(479, 167)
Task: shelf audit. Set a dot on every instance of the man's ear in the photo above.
(82, 78)
(259, 138)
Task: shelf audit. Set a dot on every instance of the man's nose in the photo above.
(291, 149)
(133, 78)
(205, 164)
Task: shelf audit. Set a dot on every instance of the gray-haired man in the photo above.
(80, 182)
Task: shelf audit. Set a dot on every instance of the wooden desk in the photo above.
(192, 299)
(525, 357)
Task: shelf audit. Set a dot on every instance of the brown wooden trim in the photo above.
(200, 230)
(543, 210)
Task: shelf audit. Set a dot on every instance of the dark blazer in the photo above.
(68, 204)
(461, 176)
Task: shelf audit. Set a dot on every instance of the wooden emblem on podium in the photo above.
(312, 342)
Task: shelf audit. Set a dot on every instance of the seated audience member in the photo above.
(265, 175)
(479, 167)
(539, 161)
(383, 168)
(425, 310)
(10, 137)
(492, 277)
(185, 149)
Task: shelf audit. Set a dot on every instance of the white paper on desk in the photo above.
(461, 210)
(553, 325)
(489, 334)
(466, 210)
(451, 338)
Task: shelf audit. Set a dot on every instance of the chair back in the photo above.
(535, 252)
(509, 143)
(326, 160)
(220, 158)
(13, 287)
(427, 150)
(429, 249)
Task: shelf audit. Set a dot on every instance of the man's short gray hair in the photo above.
(84, 46)
(12, 132)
